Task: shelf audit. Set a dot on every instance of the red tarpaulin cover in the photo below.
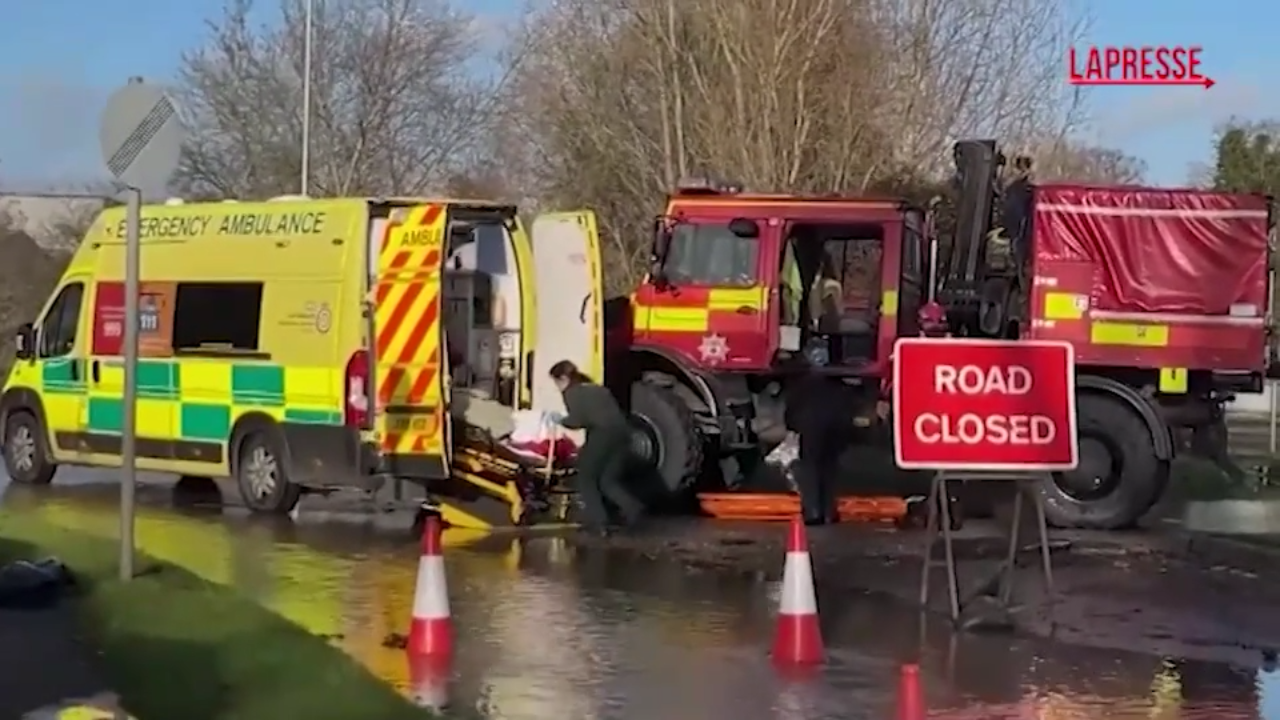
(1166, 251)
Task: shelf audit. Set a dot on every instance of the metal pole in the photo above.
(306, 96)
(129, 413)
(931, 291)
(1274, 405)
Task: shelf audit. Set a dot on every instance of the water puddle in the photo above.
(547, 631)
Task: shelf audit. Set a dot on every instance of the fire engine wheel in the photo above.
(1119, 477)
(665, 435)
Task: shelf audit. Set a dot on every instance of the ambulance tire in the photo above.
(253, 446)
(1135, 476)
(660, 412)
(40, 469)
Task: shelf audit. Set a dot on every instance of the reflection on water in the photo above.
(550, 632)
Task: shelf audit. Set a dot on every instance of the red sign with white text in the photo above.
(984, 405)
(155, 319)
(1134, 65)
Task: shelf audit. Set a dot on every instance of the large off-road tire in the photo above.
(665, 436)
(1119, 478)
(262, 473)
(26, 450)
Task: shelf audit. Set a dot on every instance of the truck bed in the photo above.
(1152, 277)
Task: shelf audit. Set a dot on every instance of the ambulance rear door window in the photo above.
(214, 316)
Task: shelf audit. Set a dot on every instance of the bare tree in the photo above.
(397, 103)
(977, 68)
(617, 99)
(28, 273)
(1075, 162)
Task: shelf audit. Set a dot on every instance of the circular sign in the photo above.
(324, 319)
(141, 136)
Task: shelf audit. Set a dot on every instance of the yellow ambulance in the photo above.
(300, 343)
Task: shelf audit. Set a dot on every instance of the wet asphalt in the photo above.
(676, 621)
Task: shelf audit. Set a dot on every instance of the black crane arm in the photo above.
(975, 185)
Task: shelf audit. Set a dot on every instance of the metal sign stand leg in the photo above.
(999, 584)
(938, 521)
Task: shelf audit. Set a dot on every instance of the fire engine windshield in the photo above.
(710, 254)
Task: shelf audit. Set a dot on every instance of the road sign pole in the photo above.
(141, 135)
(129, 419)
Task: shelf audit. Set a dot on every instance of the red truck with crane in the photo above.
(1165, 295)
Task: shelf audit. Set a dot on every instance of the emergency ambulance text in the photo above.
(971, 428)
(263, 224)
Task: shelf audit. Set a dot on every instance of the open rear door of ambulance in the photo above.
(569, 297)
(410, 368)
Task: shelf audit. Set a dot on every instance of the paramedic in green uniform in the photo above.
(604, 458)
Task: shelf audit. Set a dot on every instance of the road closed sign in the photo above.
(984, 405)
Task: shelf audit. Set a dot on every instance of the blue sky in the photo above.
(60, 58)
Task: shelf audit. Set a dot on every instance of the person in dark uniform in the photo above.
(604, 458)
(820, 411)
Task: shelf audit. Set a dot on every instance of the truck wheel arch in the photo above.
(248, 424)
(28, 400)
(1161, 437)
(647, 361)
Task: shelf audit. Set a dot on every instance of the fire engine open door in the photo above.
(410, 368)
(569, 297)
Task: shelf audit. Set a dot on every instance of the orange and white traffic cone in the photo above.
(798, 640)
(431, 629)
(429, 682)
(910, 696)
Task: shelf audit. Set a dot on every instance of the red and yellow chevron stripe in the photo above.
(407, 342)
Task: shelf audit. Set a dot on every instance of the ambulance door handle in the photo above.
(95, 371)
(582, 311)
(746, 310)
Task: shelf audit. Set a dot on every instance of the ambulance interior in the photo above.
(482, 321)
(831, 289)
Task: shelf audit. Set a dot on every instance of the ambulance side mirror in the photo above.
(25, 342)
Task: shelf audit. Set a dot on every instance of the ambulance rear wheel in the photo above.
(26, 451)
(262, 475)
(1119, 477)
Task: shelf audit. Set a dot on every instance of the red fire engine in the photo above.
(1164, 293)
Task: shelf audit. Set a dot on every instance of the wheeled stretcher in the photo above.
(517, 460)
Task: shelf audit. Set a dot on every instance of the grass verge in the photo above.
(176, 646)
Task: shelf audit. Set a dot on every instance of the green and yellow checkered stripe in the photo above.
(200, 399)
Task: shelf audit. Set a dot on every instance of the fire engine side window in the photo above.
(711, 255)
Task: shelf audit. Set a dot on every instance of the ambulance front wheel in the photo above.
(263, 476)
(26, 450)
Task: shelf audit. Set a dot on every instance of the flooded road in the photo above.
(548, 630)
